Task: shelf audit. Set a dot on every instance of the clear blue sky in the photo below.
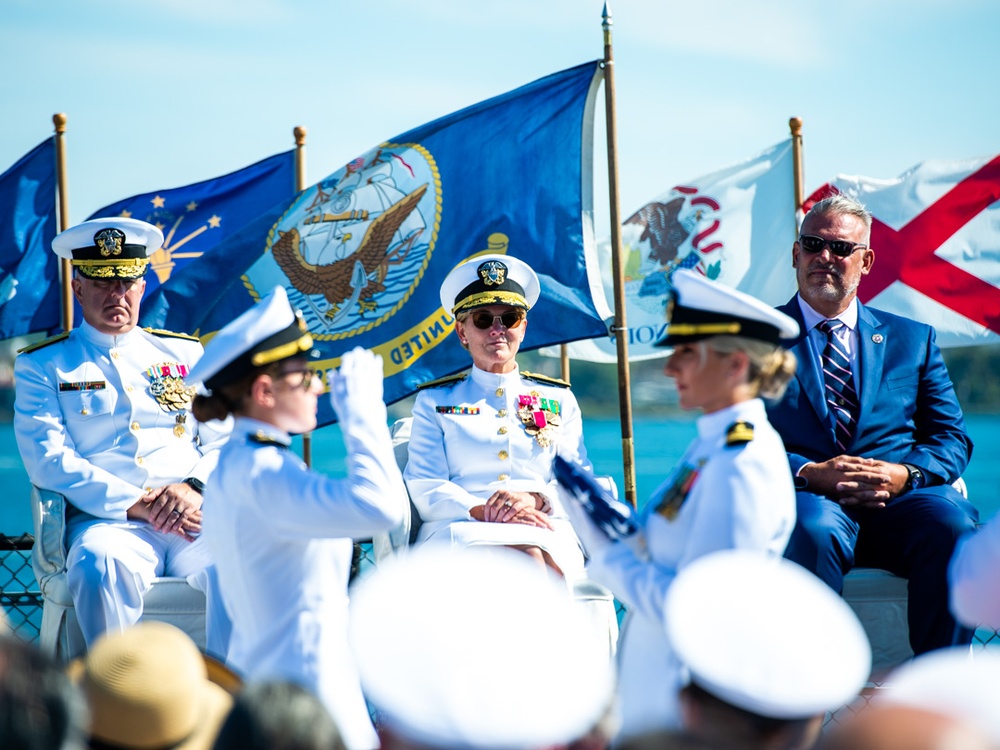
(162, 93)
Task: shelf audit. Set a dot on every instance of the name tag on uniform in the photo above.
(457, 409)
(87, 385)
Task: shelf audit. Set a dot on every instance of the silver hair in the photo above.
(841, 204)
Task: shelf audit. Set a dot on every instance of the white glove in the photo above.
(356, 386)
(589, 533)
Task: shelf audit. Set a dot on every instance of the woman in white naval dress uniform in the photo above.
(731, 489)
(482, 442)
(282, 533)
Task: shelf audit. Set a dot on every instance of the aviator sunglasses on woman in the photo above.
(484, 320)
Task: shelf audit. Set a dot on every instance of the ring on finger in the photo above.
(508, 504)
(175, 512)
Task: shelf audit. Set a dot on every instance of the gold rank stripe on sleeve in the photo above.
(447, 380)
(39, 344)
(739, 433)
(456, 409)
(545, 379)
(86, 385)
(170, 334)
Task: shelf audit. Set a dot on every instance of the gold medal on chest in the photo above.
(166, 385)
(540, 416)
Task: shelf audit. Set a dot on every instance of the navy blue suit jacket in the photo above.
(909, 412)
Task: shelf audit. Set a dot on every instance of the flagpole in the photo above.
(798, 168)
(299, 132)
(65, 268)
(620, 325)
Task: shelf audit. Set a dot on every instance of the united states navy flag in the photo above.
(362, 254)
(29, 270)
(196, 218)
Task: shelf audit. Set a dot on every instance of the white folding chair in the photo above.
(170, 600)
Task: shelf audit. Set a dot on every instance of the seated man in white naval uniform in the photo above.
(101, 416)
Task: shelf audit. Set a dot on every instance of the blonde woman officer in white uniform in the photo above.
(281, 532)
(732, 488)
(482, 442)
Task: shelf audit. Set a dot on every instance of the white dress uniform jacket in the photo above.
(281, 535)
(89, 427)
(732, 489)
(469, 439)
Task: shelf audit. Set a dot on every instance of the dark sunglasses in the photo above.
(484, 320)
(841, 248)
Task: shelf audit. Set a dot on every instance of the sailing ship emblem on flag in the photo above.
(352, 249)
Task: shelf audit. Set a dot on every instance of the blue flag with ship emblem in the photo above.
(29, 270)
(363, 253)
(194, 219)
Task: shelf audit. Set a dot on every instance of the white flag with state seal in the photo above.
(736, 226)
(935, 233)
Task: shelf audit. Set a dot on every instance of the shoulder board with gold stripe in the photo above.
(458, 377)
(739, 433)
(45, 342)
(544, 379)
(170, 334)
(261, 439)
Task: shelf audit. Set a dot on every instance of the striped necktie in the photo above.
(838, 381)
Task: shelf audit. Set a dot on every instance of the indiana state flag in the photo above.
(363, 253)
(196, 218)
(29, 270)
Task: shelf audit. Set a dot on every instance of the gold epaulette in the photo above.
(171, 334)
(458, 377)
(739, 433)
(545, 379)
(45, 342)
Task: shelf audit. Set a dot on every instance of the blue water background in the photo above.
(659, 444)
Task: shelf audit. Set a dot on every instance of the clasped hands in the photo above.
(856, 482)
(172, 509)
(505, 506)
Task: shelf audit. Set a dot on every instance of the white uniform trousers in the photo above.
(112, 564)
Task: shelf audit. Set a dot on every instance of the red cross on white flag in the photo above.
(936, 237)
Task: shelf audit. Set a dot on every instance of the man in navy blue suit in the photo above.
(873, 429)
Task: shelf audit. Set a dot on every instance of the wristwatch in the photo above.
(195, 484)
(916, 479)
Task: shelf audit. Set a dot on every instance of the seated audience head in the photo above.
(278, 716)
(490, 296)
(263, 353)
(475, 649)
(717, 327)
(768, 646)
(149, 687)
(942, 699)
(39, 708)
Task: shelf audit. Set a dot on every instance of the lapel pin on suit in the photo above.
(877, 338)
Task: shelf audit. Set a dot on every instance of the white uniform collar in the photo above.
(261, 430)
(752, 411)
(493, 379)
(107, 340)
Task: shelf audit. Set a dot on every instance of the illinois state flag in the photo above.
(29, 270)
(196, 218)
(736, 226)
(936, 234)
(362, 254)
